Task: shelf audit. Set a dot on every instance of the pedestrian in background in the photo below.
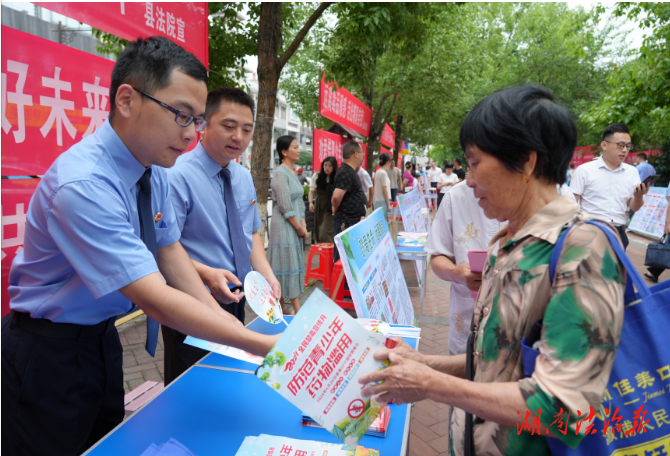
(382, 193)
(323, 184)
(446, 181)
(644, 168)
(395, 181)
(288, 228)
(407, 178)
(458, 169)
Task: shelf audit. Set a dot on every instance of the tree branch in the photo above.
(288, 53)
(377, 119)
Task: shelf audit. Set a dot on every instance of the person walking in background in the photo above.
(382, 193)
(301, 178)
(366, 184)
(348, 197)
(395, 181)
(407, 178)
(604, 187)
(434, 174)
(644, 168)
(288, 229)
(569, 173)
(446, 181)
(458, 169)
(653, 272)
(323, 184)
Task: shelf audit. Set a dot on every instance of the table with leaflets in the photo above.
(215, 404)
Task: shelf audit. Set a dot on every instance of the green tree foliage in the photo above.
(639, 91)
(305, 158)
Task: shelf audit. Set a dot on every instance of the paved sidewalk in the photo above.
(429, 427)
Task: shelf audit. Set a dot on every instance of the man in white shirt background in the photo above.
(366, 183)
(434, 174)
(607, 186)
(446, 181)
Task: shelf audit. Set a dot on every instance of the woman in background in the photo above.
(382, 187)
(322, 185)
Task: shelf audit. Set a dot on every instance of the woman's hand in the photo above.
(472, 280)
(311, 207)
(403, 349)
(302, 232)
(405, 382)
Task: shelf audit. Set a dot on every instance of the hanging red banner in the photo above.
(185, 23)
(344, 108)
(330, 145)
(388, 136)
(52, 97)
(16, 194)
(383, 150)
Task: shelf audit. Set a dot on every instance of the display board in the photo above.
(185, 23)
(339, 105)
(52, 97)
(373, 271)
(650, 219)
(410, 210)
(328, 144)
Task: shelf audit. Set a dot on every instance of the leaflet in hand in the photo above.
(262, 299)
(316, 365)
(477, 259)
(383, 328)
(224, 350)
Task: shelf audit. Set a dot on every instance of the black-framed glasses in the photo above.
(182, 118)
(622, 145)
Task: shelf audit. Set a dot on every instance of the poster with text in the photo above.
(328, 144)
(650, 219)
(373, 271)
(410, 210)
(317, 362)
(341, 106)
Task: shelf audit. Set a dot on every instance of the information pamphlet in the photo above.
(410, 210)
(224, 350)
(270, 445)
(316, 365)
(373, 271)
(262, 299)
(383, 328)
(650, 219)
(378, 427)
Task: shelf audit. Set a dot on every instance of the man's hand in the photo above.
(641, 190)
(217, 282)
(472, 280)
(311, 207)
(369, 203)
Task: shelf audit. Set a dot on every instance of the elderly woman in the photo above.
(518, 143)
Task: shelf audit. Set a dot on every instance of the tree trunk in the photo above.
(269, 38)
(270, 65)
(398, 137)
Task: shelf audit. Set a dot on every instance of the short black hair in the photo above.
(283, 143)
(642, 155)
(448, 164)
(350, 148)
(614, 128)
(459, 160)
(511, 123)
(408, 164)
(232, 94)
(147, 65)
(384, 159)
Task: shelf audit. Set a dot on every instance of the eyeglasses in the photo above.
(182, 118)
(623, 145)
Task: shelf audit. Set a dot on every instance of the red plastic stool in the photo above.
(324, 271)
(338, 293)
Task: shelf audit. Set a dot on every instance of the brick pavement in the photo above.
(429, 425)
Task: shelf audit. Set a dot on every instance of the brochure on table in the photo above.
(270, 445)
(317, 362)
(373, 272)
(413, 220)
(224, 350)
(650, 219)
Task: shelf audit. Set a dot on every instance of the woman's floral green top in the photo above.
(583, 314)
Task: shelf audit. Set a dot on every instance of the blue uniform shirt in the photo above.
(82, 239)
(645, 170)
(200, 208)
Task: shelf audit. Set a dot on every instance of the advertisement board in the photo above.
(339, 105)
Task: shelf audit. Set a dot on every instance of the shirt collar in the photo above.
(129, 168)
(211, 166)
(547, 223)
(602, 164)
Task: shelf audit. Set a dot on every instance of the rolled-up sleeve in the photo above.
(581, 332)
(90, 224)
(282, 195)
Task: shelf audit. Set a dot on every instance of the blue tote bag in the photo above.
(640, 375)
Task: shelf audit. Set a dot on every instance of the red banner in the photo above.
(383, 150)
(16, 194)
(342, 107)
(52, 97)
(185, 23)
(388, 136)
(330, 145)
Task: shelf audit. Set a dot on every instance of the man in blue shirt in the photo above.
(90, 250)
(643, 167)
(198, 189)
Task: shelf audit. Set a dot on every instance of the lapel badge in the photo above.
(253, 202)
(158, 217)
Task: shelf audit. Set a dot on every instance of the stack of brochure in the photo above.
(377, 428)
(264, 445)
(409, 239)
(410, 332)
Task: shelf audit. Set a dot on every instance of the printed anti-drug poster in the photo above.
(410, 210)
(650, 219)
(373, 271)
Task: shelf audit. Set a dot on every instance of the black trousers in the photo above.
(180, 356)
(624, 237)
(439, 199)
(59, 396)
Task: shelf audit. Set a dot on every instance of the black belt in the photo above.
(47, 328)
